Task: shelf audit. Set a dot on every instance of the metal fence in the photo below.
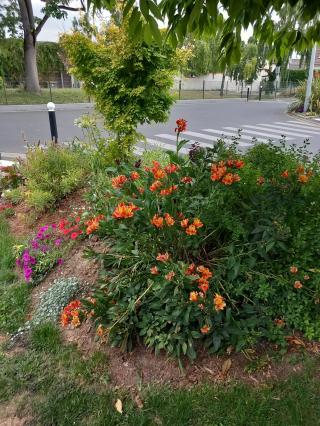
(207, 89)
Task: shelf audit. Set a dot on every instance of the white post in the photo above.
(310, 78)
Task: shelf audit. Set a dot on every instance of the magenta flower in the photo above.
(57, 242)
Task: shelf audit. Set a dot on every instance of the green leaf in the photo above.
(155, 10)
(144, 8)
(155, 30)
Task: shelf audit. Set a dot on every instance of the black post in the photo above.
(5, 91)
(53, 122)
(179, 89)
(260, 92)
(248, 92)
(203, 86)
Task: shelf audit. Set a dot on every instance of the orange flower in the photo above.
(181, 125)
(191, 269)
(141, 190)
(205, 329)
(285, 174)
(100, 330)
(303, 178)
(219, 302)
(218, 171)
(197, 222)
(163, 257)
(159, 173)
(93, 224)
(184, 223)
(238, 164)
(170, 275)
(297, 284)
(236, 178)
(171, 168)
(227, 179)
(75, 320)
(134, 175)
(306, 277)
(155, 185)
(205, 272)
(191, 230)
(193, 296)
(118, 181)
(230, 163)
(186, 179)
(154, 270)
(169, 219)
(64, 319)
(168, 191)
(124, 211)
(293, 269)
(279, 322)
(157, 221)
(300, 170)
(203, 284)
(260, 180)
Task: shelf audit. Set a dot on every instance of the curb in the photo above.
(313, 120)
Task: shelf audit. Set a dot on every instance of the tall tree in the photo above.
(21, 11)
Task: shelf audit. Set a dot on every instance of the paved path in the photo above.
(207, 121)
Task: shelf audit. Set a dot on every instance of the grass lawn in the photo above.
(55, 385)
(59, 96)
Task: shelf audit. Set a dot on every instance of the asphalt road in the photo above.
(207, 121)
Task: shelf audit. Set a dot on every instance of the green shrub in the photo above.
(301, 93)
(14, 196)
(52, 173)
(257, 235)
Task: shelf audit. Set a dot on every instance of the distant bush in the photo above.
(296, 75)
(301, 93)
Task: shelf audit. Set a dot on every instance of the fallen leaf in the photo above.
(138, 401)
(209, 370)
(118, 406)
(226, 366)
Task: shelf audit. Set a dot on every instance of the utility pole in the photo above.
(310, 78)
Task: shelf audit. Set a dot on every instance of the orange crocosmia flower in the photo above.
(155, 185)
(171, 168)
(293, 269)
(157, 221)
(181, 125)
(169, 219)
(260, 180)
(154, 270)
(219, 302)
(303, 178)
(184, 223)
(159, 174)
(169, 276)
(297, 284)
(203, 285)
(186, 179)
(205, 329)
(169, 190)
(134, 175)
(236, 178)
(191, 269)
(163, 257)
(93, 224)
(300, 170)
(118, 181)
(124, 211)
(205, 272)
(285, 174)
(191, 230)
(238, 164)
(227, 179)
(193, 296)
(197, 222)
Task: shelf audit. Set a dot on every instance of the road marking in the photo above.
(190, 141)
(222, 133)
(280, 131)
(295, 122)
(268, 135)
(167, 146)
(299, 126)
(302, 130)
(210, 138)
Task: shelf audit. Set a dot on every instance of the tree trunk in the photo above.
(222, 84)
(30, 65)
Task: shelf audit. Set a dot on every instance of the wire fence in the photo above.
(13, 93)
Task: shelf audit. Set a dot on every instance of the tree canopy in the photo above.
(228, 17)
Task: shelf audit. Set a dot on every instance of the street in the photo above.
(207, 121)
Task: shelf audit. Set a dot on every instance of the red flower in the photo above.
(74, 235)
(181, 125)
(134, 175)
(157, 221)
(238, 164)
(171, 168)
(118, 181)
(285, 174)
(186, 179)
(155, 185)
(163, 257)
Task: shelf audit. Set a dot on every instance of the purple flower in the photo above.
(58, 242)
(18, 262)
(44, 228)
(60, 261)
(44, 249)
(25, 256)
(54, 226)
(47, 236)
(27, 273)
(32, 260)
(34, 244)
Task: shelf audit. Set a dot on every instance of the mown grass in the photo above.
(61, 387)
(14, 296)
(59, 96)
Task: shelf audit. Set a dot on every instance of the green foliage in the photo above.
(52, 173)
(254, 229)
(296, 75)
(14, 196)
(14, 305)
(129, 80)
(46, 337)
(301, 93)
(7, 255)
(54, 300)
